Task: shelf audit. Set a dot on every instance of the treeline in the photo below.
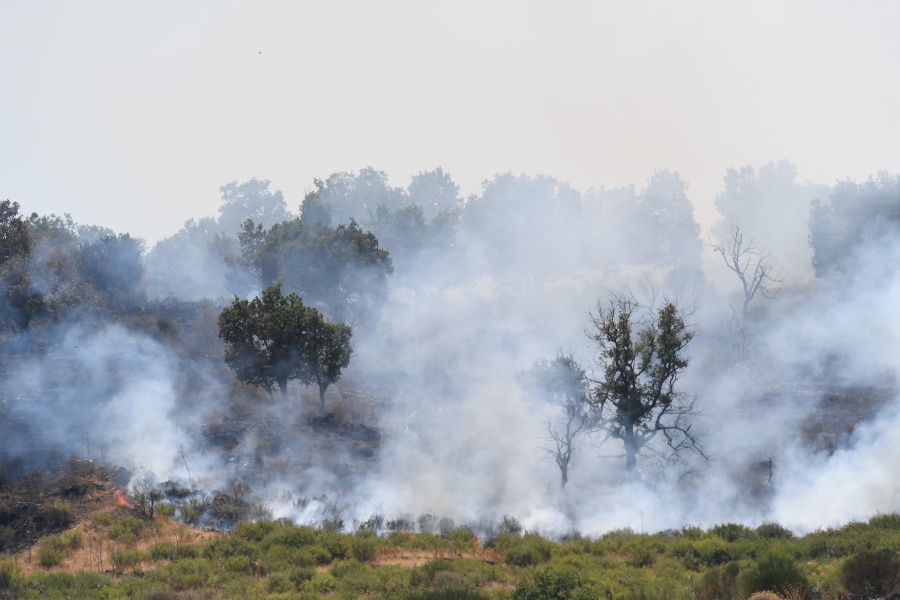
(354, 231)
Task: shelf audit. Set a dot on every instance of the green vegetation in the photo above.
(278, 559)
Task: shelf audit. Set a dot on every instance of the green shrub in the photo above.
(10, 577)
(889, 521)
(165, 509)
(102, 518)
(342, 568)
(529, 549)
(239, 565)
(191, 511)
(321, 583)
(187, 574)
(61, 515)
(228, 546)
(161, 551)
(72, 539)
(717, 583)
(49, 556)
(290, 536)
(872, 573)
(278, 583)
(335, 544)
(642, 552)
(126, 529)
(122, 558)
(551, 584)
(364, 548)
(256, 531)
(300, 575)
(774, 572)
(774, 531)
(732, 532)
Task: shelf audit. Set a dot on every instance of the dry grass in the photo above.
(94, 552)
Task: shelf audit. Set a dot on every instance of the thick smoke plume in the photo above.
(797, 399)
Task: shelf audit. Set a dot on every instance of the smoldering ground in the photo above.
(797, 404)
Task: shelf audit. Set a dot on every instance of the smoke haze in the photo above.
(798, 404)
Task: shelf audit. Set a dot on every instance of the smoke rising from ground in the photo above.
(798, 404)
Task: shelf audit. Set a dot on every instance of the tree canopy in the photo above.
(273, 339)
(340, 270)
(641, 361)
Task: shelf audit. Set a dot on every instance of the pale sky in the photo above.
(131, 115)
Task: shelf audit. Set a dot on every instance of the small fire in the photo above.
(119, 495)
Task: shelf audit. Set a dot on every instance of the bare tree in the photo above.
(563, 383)
(642, 357)
(753, 266)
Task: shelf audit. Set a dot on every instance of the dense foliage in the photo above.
(274, 338)
(279, 559)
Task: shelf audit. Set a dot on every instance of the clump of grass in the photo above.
(49, 556)
(102, 518)
(122, 558)
(126, 529)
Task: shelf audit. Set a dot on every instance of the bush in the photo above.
(774, 572)
(123, 558)
(718, 583)
(10, 576)
(165, 509)
(102, 518)
(552, 585)
(364, 548)
(290, 536)
(49, 556)
(522, 551)
(774, 531)
(71, 539)
(871, 573)
(61, 515)
(889, 521)
(732, 532)
(126, 529)
(190, 573)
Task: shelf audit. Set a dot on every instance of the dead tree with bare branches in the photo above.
(753, 266)
(563, 383)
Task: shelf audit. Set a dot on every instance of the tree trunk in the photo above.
(631, 452)
(322, 387)
(282, 385)
(563, 476)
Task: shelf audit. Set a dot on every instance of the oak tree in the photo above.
(641, 360)
(275, 338)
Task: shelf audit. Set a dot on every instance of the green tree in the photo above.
(341, 270)
(250, 200)
(435, 192)
(18, 302)
(113, 265)
(275, 338)
(641, 361)
(345, 196)
(856, 217)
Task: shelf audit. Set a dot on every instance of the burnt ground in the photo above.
(50, 500)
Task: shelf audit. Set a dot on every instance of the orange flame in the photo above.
(119, 495)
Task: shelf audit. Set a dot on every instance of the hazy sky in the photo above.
(131, 115)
